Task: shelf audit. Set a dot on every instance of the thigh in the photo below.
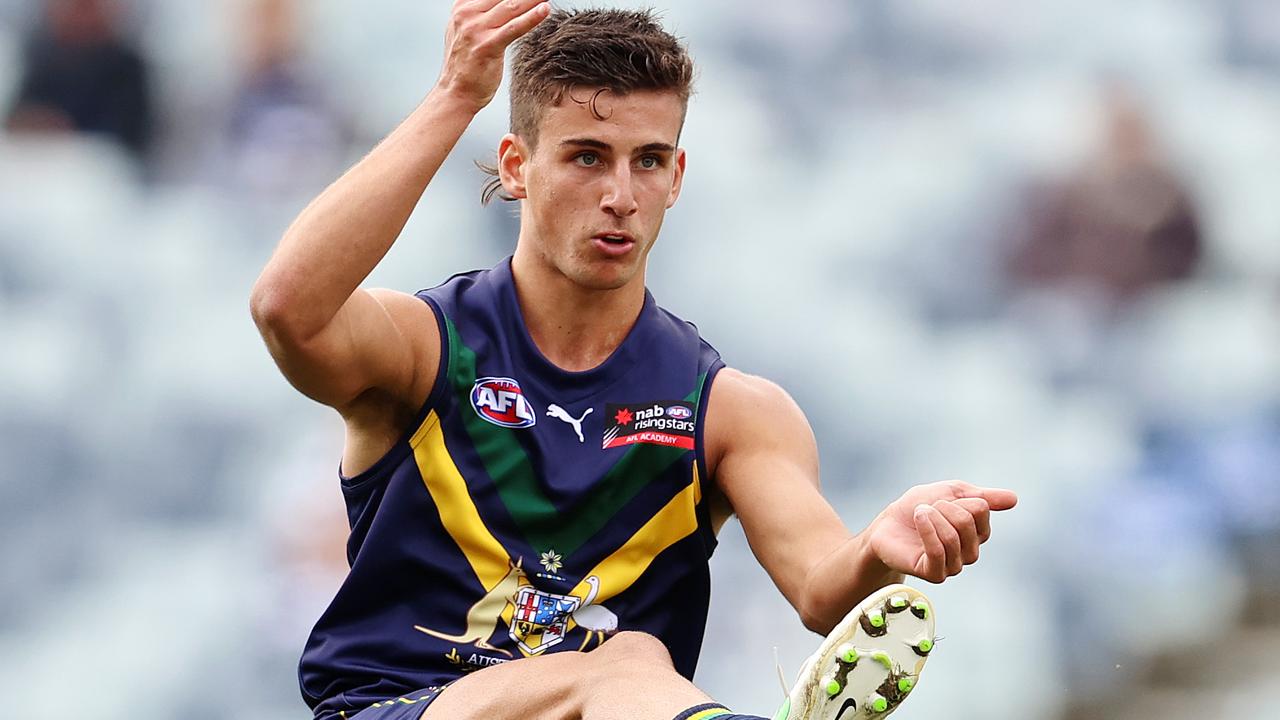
(630, 675)
(546, 687)
(406, 707)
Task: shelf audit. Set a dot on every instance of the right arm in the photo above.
(335, 342)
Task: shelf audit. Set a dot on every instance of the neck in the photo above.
(576, 328)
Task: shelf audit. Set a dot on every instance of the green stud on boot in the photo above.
(898, 603)
(906, 684)
(883, 658)
(920, 609)
(878, 703)
(847, 653)
(831, 686)
(873, 622)
(923, 647)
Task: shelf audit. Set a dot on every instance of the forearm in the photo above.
(341, 236)
(841, 580)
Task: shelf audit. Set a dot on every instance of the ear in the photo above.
(678, 180)
(512, 155)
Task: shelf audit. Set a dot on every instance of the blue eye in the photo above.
(587, 159)
(649, 162)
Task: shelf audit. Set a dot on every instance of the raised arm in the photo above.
(332, 340)
(763, 457)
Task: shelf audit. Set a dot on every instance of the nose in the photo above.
(619, 198)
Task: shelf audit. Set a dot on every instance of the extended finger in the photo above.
(482, 6)
(962, 522)
(522, 23)
(997, 498)
(503, 12)
(474, 7)
(933, 564)
(981, 512)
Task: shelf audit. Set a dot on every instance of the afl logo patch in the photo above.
(679, 412)
(501, 401)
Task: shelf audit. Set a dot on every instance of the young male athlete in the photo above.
(538, 456)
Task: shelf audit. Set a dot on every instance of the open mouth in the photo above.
(614, 244)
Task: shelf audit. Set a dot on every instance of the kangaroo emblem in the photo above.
(482, 618)
(560, 413)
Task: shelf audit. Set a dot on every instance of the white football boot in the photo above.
(869, 663)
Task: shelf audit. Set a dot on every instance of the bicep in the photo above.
(378, 340)
(766, 464)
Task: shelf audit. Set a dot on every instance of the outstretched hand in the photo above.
(934, 530)
(476, 42)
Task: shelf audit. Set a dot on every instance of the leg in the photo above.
(630, 676)
(638, 682)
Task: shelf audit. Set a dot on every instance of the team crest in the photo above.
(541, 619)
(501, 401)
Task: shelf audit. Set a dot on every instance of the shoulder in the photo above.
(469, 294)
(683, 343)
(670, 320)
(408, 311)
(749, 412)
(418, 337)
(734, 392)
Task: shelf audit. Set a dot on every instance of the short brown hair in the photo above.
(621, 51)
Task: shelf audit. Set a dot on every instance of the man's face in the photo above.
(594, 192)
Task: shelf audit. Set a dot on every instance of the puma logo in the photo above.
(560, 413)
(482, 617)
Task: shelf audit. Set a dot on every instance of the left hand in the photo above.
(934, 530)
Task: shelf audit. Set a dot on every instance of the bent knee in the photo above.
(551, 682)
(639, 647)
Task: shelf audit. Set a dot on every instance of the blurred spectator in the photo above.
(1122, 224)
(82, 76)
(282, 136)
(1252, 29)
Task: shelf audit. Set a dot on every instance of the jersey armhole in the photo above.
(706, 528)
(444, 368)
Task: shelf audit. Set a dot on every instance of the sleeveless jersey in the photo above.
(527, 510)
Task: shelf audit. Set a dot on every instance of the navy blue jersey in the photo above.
(527, 509)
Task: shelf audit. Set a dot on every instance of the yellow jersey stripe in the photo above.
(490, 560)
(487, 557)
(673, 523)
(697, 485)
